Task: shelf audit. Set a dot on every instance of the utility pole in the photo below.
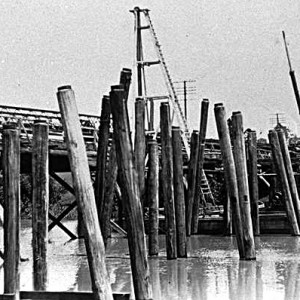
(185, 91)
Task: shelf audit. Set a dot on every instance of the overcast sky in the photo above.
(233, 49)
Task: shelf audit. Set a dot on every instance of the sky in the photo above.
(232, 49)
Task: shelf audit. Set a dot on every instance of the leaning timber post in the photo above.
(191, 177)
(109, 193)
(239, 154)
(153, 199)
(230, 175)
(103, 139)
(11, 189)
(167, 182)
(289, 173)
(253, 180)
(140, 146)
(198, 193)
(279, 162)
(130, 196)
(40, 204)
(84, 193)
(179, 192)
(125, 80)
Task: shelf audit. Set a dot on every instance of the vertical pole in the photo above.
(202, 136)
(185, 99)
(279, 162)
(40, 204)
(153, 182)
(11, 189)
(109, 192)
(289, 173)
(139, 50)
(140, 146)
(179, 192)
(192, 172)
(242, 180)
(167, 182)
(130, 196)
(230, 174)
(102, 156)
(84, 193)
(253, 180)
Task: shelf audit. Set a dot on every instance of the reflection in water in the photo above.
(213, 270)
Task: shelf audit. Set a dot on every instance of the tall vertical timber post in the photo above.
(253, 180)
(279, 162)
(130, 195)
(230, 175)
(198, 192)
(84, 193)
(192, 174)
(239, 154)
(140, 146)
(153, 198)
(179, 192)
(289, 173)
(167, 182)
(11, 189)
(103, 139)
(40, 204)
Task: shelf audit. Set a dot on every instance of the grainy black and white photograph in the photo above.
(150, 150)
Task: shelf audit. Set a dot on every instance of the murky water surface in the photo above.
(212, 271)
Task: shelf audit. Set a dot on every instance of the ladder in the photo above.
(170, 86)
(205, 191)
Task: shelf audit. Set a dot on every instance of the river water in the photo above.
(212, 271)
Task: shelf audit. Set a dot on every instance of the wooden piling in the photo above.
(289, 173)
(84, 193)
(130, 195)
(140, 146)
(109, 193)
(279, 162)
(202, 136)
(242, 180)
(230, 174)
(103, 139)
(192, 173)
(40, 204)
(11, 190)
(179, 192)
(167, 182)
(153, 200)
(253, 180)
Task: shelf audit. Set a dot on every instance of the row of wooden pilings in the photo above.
(124, 173)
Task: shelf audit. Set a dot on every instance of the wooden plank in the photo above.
(62, 226)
